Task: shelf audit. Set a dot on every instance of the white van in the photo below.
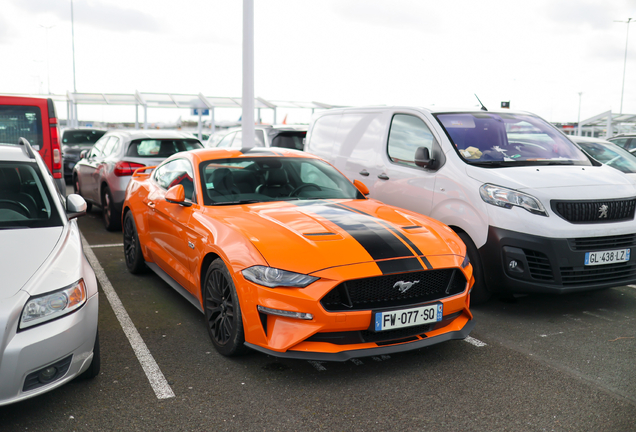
(537, 215)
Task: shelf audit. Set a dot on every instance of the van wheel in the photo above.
(223, 317)
(93, 369)
(76, 190)
(480, 293)
(111, 220)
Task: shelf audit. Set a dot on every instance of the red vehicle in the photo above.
(34, 119)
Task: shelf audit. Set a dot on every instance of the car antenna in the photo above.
(483, 108)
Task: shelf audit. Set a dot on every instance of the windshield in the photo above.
(611, 155)
(503, 139)
(25, 201)
(260, 179)
(161, 147)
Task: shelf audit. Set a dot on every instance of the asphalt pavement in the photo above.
(533, 363)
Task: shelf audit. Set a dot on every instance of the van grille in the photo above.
(539, 265)
(619, 273)
(595, 211)
(592, 244)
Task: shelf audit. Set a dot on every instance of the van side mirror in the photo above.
(423, 158)
(176, 195)
(364, 190)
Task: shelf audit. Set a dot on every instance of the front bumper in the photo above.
(30, 350)
(549, 265)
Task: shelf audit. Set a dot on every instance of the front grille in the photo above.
(595, 211)
(593, 244)
(539, 265)
(618, 273)
(381, 292)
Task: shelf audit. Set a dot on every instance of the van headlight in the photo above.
(507, 198)
(273, 277)
(53, 305)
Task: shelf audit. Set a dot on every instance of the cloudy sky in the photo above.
(537, 54)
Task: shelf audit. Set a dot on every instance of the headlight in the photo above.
(273, 277)
(53, 305)
(507, 198)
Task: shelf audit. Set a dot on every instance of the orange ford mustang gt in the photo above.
(285, 256)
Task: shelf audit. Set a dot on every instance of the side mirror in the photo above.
(83, 154)
(423, 158)
(364, 190)
(176, 195)
(75, 206)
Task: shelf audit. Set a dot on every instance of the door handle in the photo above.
(383, 176)
(151, 204)
(364, 173)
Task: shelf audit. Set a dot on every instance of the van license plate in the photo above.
(606, 257)
(408, 317)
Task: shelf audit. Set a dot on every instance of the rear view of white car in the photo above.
(48, 294)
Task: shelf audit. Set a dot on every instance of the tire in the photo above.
(223, 317)
(480, 293)
(77, 190)
(93, 369)
(111, 219)
(133, 255)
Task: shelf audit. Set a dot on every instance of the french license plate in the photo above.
(408, 317)
(606, 257)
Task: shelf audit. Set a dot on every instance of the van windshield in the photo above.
(503, 139)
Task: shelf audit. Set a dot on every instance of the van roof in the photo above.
(429, 109)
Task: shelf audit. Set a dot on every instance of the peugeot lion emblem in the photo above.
(404, 286)
(603, 212)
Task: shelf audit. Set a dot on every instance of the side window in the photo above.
(98, 147)
(110, 146)
(621, 142)
(238, 140)
(406, 135)
(225, 142)
(178, 171)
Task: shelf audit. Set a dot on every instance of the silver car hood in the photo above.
(22, 253)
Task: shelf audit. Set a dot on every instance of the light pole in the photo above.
(73, 45)
(625, 60)
(578, 122)
(48, 79)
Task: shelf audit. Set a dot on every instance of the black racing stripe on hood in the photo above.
(379, 242)
(388, 226)
(399, 265)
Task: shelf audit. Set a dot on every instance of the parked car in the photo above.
(609, 154)
(48, 295)
(285, 256)
(285, 136)
(73, 142)
(34, 119)
(102, 174)
(626, 141)
(537, 214)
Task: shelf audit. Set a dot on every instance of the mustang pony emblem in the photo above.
(404, 286)
(603, 211)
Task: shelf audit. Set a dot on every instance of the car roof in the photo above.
(585, 139)
(12, 152)
(151, 133)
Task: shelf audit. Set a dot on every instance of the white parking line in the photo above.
(476, 342)
(155, 376)
(107, 245)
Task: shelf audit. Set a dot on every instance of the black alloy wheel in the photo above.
(132, 248)
(223, 316)
(111, 221)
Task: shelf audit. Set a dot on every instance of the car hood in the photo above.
(23, 253)
(306, 237)
(576, 182)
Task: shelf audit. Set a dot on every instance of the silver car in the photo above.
(48, 294)
(102, 174)
(285, 136)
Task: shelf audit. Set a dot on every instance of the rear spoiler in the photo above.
(139, 172)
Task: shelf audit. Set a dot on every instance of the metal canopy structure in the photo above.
(611, 123)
